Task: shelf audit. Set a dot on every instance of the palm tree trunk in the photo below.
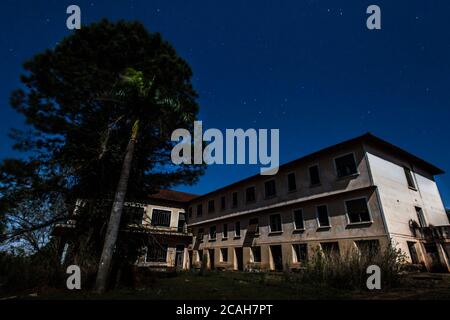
(116, 214)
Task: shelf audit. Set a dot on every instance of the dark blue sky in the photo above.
(310, 68)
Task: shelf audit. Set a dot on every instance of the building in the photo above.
(361, 193)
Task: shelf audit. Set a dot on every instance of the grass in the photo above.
(270, 286)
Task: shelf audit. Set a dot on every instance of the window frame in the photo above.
(368, 210)
(281, 224)
(223, 203)
(317, 217)
(254, 194)
(413, 180)
(215, 233)
(266, 197)
(234, 206)
(197, 210)
(295, 181)
(257, 232)
(161, 209)
(341, 156)
(213, 208)
(297, 260)
(166, 245)
(311, 185)
(236, 235)
(303, 219)
(253, 254)
(225, 235)
(221, 254)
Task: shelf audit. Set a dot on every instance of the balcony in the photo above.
(432, 233)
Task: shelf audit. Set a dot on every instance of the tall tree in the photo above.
(79, 135)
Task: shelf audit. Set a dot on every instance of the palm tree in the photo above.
(134, 89)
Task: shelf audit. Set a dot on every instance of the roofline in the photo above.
(368, 136)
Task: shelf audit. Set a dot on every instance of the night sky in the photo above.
(310, 68)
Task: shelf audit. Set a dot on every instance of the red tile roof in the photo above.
(172, 195)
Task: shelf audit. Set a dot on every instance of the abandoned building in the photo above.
(364, 192)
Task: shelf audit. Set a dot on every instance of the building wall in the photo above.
(399, 201)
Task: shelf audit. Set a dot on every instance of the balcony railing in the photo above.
(431, 233)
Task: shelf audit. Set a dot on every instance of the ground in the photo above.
(231, 285)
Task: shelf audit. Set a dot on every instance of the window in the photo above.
(300, 252)
(223, 254)
(237, 229)
(212, 233)
(190, 212)
(298, 220)
(222, 203)
(322, 216)
(256, 253)
(250, 195)
(199, 210)
(156, 253)
(330, 248)
(368, 248)
(275, 223)
(235, 199)
(357, 210)
(270, 189)
(345, 165)
(421, 217)
(161, 218)
(200, 256)
(211, 206)
(200, 234)
(253, 226)
(409, 178)
(133, 215)
(181, 221)
(292, 185)
(225, 231)
(314, 177)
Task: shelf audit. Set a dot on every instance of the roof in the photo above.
(367, 138)
(172, 195)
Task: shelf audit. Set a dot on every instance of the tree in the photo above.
(79, 135)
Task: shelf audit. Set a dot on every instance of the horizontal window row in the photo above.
(299, 252)
(345, 166)
(357, 212)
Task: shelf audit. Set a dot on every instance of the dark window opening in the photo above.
(156, 253)
(322, 216)
(298, 219)
(357, 210)
(270, 189)
(133, 215)
(292, 185)
(256, 252)
(161, 218)
(200, 234)
(346, 165)
(250, 194)
(254, 225)
(301, 252)
(212, 233)
(330, 249)
(409, 178)
(237, 229)
(181, 222)
(421, 217)
(275, 223)
(235, 199)
(224, 254)
(225, 231)
(368, 248)
(314, 177)
(199, 210)
(211, 206)
(190, 212)
(222, 203)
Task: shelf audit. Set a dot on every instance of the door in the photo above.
(211, 258)
(239, 258)
(179, 256)
(277, 258)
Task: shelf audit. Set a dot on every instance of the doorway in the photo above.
(211, 258)
(277, 257)
(179, 256)
(239, 259)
